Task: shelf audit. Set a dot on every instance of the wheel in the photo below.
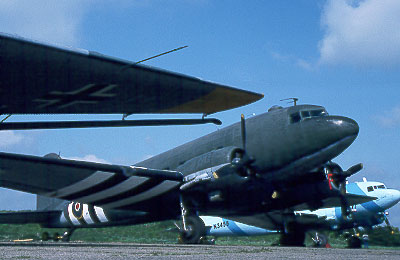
(195, 229)
(67, 235)
(45, 236)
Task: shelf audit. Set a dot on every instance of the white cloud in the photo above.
(361, 33)
(88, 158)
(10, 138)
(45, 20)
(390, 118)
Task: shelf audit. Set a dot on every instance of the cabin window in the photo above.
(375, 187)
(370, 188)
(295, 117)
(381, 187)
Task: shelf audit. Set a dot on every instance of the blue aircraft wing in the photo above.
(331, 202)
(37, 78)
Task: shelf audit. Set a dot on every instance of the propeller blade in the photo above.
(243, 131)
(353, 169)
(346, 211)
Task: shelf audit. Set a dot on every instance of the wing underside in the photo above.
(37, 78)
(108, 186)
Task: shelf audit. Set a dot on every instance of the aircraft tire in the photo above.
(196, 229)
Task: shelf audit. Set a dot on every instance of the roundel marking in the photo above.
(77, 210)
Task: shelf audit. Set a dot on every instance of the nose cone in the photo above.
(331, 134)
(344, 126)
(392, 198)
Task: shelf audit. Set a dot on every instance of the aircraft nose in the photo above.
(339, 131)
(392, 198)
(395, 195)
(345, 126)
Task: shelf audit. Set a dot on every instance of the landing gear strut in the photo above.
(319, 240)
(67, 235)
(193, 228)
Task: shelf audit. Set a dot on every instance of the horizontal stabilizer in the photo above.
(29, 217)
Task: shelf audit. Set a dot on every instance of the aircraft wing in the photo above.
(108, 186)
(37, 78)
(352, 199)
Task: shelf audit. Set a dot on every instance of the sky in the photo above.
(342, 54)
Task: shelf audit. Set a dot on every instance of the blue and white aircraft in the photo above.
(363, 215)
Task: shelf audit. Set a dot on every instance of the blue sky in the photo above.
(344, 55)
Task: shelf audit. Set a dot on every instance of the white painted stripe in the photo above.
(86, 214)
(92, 180)
(122, 187)
(74, 220)
(157, 190)
(100, 214)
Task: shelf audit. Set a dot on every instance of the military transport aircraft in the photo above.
(255, 166)
(363, 215)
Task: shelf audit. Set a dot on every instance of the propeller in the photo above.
(243, 131)
(339, 178)
(243, 162)
(388, 223)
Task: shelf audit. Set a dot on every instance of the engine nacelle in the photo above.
(211, 160)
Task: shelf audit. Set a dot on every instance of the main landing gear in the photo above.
(56, 237)
(193, 228)
(320, 240)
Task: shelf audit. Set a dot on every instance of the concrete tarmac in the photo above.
(81, 251)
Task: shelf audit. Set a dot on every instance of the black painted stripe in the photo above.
(116, 179)
(92, 214)
(66, 215)
(130, 193)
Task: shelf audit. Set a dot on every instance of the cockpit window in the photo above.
(305, 114)
(381, 187)
(295, 117)
(319, 112)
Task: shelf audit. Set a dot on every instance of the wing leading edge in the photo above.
(39, 78)
(109, 186)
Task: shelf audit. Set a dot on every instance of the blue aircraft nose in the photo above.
(393, 197)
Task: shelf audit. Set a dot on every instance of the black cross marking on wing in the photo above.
(89, 94)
